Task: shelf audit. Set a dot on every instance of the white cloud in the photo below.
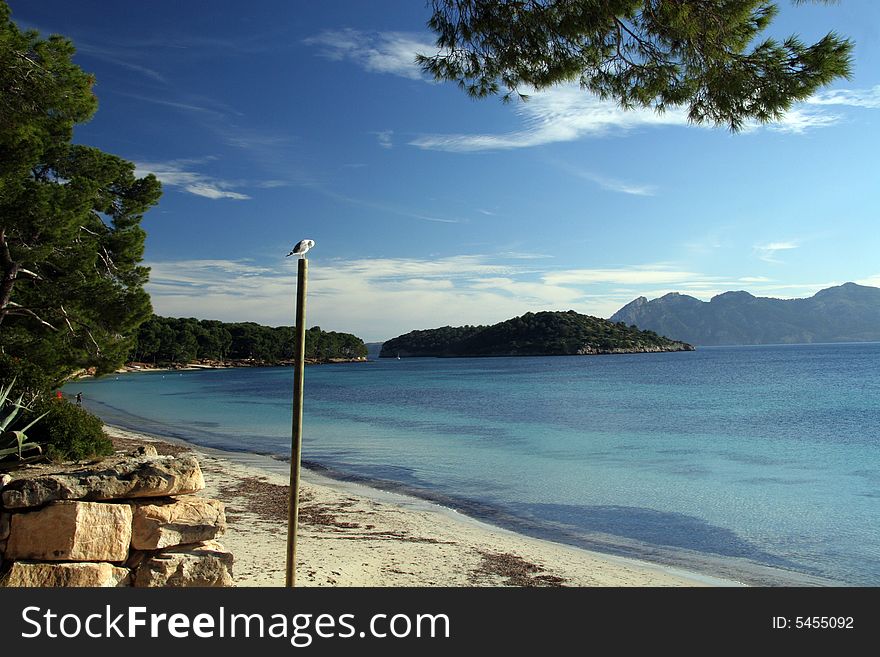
(178, 173)
(384, 138)
(118, 57)
(608, 182)
(620, 276)
(567, 113)
(873, 281)
(767, 252)
(378, 298)
(799, 120)
(869, 98)
(381, 52)
(559, 114)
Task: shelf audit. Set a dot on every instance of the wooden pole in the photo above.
(296, 442)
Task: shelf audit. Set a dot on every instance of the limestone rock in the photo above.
(5, 479)
(71, 531)
(146, 476)
(203, 564)
(23, 573)
(166, 523)
(144, 450)
(4, 525)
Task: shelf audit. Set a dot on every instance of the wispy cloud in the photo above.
(384, 138)
(378, 298)
(560, 114)
(376, 52)
(381, 297)
(798, 121)
(568, 113)
(179, 173)
(869, 98)
(120, 57)
(640, 275)
(609, 183)
(388, 208)
(767, 252)
(174, 104)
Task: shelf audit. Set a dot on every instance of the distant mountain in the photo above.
(373, 349)
(532, 334)
(846, 313)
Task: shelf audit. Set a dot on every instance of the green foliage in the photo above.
(444, 341)
(70, 236)
(69, 432)
(181, 340)
(29, 381)
(532, 334)
(14, 442)
(706, 54)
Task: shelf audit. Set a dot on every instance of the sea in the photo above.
(760, 464)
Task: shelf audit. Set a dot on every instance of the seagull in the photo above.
(301, 247)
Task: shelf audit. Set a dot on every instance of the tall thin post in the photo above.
(296, 443)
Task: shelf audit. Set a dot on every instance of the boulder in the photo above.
(23, 573)
(146, 476)
(71, 531)
(4, 479)
(203, 564)
(4, 525)
(166, 523)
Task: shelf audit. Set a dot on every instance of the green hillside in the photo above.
(533, 334)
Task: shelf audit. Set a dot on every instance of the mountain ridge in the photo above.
(842, 313)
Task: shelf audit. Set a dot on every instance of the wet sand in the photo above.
(353, 535)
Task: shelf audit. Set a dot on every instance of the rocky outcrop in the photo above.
(164, 523)
(144, 476)
(131, 520)
(593, 350)
(205, 564)
(72, 531)
(91, 575)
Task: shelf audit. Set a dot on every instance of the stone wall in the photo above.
(132, 520)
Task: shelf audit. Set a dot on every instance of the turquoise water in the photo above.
(727, 459)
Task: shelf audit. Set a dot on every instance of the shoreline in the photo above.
(352, 534)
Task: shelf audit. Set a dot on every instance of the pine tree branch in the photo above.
(21, 310)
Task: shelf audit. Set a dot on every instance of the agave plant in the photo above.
(15, 442)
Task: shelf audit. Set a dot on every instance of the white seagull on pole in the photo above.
(301, 247)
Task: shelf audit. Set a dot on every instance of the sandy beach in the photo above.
(353, 535)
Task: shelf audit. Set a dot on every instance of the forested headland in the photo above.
(178, 341)
(533, 334)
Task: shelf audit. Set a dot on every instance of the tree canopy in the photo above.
(533, 334)
(708, 55)
(181, 340)
(70, 236)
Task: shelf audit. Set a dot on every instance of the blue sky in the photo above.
(273, 121)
